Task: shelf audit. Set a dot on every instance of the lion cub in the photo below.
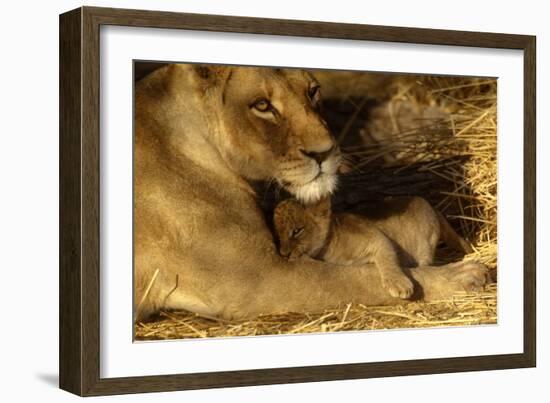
(403, 233)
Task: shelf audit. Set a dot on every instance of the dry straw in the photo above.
(442, 126)
(462, 310)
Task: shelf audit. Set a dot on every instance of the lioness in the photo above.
(405, 234)
(200, 241)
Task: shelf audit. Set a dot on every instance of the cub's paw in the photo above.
(398, 285)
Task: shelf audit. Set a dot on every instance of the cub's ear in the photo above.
(210, 73)
(322, 208)
(345, 167)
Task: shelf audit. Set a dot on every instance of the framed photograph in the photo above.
(250, 201)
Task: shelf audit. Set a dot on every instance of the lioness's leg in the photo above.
(312, 286)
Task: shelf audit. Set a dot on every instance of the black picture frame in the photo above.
(79, 200)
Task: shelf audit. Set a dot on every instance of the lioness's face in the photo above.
(275, 132)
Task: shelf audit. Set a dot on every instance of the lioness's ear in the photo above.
(209, 73)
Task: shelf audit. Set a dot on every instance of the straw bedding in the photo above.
(434, 137)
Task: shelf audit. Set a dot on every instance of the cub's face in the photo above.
(272, 129)
(301, 230)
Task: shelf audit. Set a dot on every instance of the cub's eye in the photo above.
(297, 232)
(314, 94)
(262, 105)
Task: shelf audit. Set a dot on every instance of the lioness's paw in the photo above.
(398, 285)
(472, 276)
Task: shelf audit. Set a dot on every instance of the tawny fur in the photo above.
(196, 218)
(404, 232)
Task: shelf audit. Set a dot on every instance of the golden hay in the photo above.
(441, 125)
(456, 141)
(463, 309)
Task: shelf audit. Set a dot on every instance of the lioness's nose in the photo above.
(318, 156)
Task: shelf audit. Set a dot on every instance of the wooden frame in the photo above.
(79, 201)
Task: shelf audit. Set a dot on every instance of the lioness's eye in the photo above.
(314, 94)
(262, 105)
(296, 232)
